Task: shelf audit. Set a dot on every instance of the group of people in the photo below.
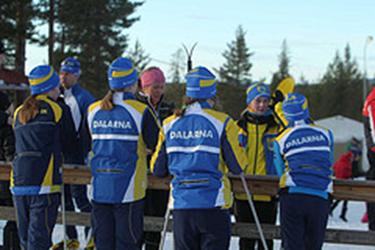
(132, 131)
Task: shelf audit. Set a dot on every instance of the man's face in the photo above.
(67, 80)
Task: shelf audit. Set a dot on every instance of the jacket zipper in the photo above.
(256, 147)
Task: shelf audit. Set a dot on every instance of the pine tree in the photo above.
(177, 66)
(139, 56)
(17, 27)
(284, 64)
(236, 69)
(341, 88)
(93, 31)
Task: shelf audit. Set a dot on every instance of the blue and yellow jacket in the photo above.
(307, 151)
(36, 167)
(120, 140)
(256, 135)
(198, 149)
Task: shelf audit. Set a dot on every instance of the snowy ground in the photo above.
(355, 212)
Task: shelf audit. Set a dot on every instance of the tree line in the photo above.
(95, 32)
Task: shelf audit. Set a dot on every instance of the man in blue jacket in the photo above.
(78, 99)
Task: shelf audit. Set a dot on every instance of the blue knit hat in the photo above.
(43, 79)
(122, 74)
(256, 90)
(71, 65)
(295, 107)
(200, 83)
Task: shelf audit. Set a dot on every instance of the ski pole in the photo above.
(253, 211)
(165, 227)
(63, 218)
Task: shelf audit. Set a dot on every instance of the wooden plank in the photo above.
(245, 230)
(268, 185)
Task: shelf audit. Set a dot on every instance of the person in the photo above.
(40, 127)
(8, 76)
(152, 83)
(303, 159)
(123, 130)
(7, 150)
(198, 146)
(78, 100)
(258, 130)
(368, 114)
(346, 167)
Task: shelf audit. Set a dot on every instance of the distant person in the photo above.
(303, 160)
(40, 133)
(346, 167)
(123, 130)
(152, 84)
(368, 113)
(8, 76)
(78, 100)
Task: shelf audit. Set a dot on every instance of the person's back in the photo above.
(307, 149)
(36, 180)
(303, 159)
(112, 132)
(200, 132)
(122, 130)
(198, 146)
(36, 146)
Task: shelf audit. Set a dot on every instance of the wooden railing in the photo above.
(266, 185)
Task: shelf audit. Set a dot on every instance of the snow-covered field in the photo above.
(355, 212)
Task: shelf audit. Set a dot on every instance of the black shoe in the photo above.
(343, 218)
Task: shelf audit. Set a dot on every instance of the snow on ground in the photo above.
(354, 215)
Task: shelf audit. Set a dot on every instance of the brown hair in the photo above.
(186, 101)
(107, 101)
(29, 110)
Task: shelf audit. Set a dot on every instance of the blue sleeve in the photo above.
(278, 161)
(150, 129)
(233, 154)
(331, 156)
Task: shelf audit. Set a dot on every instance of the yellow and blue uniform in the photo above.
(121, 137)
(198, 147)
(303, 159)
(257, 133)
(37, 146)
(36, 174)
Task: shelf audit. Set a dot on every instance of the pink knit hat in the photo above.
(152, 75)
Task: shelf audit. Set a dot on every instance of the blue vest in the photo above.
(36, 166)
(198, 148)
(118, 161)
(307, 151)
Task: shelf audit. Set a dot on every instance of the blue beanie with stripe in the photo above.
(295, 107)
(42, 79)
(200, 83)
(122, 74)
(256, 90)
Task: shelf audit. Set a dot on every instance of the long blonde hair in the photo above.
(29, 109)
(107, 101)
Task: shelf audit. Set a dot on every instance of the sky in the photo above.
(314, 31)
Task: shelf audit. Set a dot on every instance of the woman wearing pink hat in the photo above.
(152, 88)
